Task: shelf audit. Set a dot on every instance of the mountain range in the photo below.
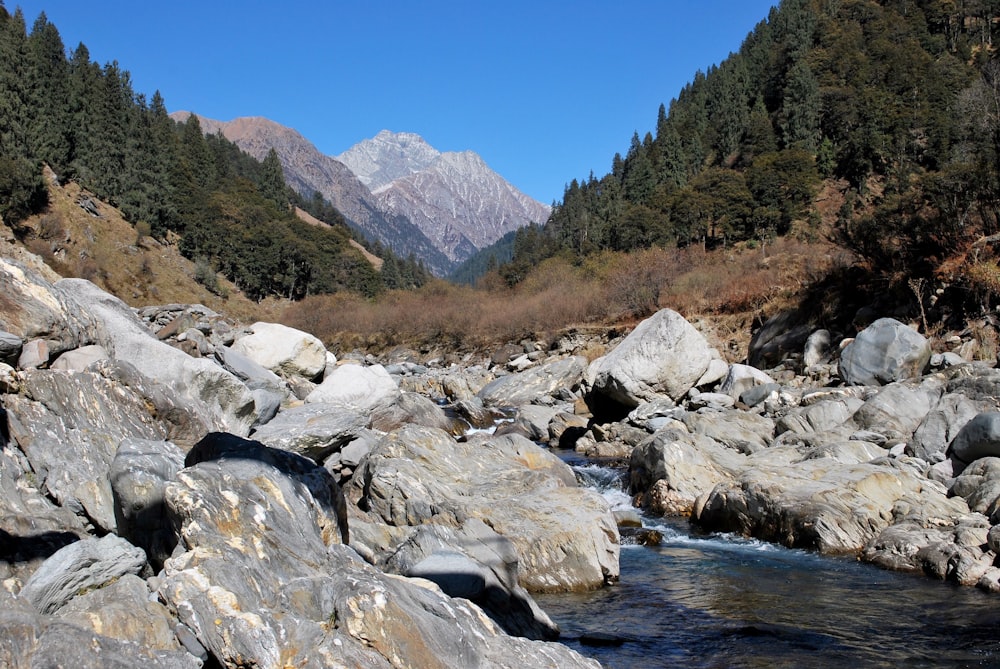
(396, 189)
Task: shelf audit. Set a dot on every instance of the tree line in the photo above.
(227, 211)
(896, 100)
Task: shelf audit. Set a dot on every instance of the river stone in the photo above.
(979, 438)
(85, 564)
(742, 378)
(69, 425)
(139, 475)
(740, 431)
(817, 348)
(34, 640)
(34, 354)
(260, 583)
(283, 350)
(941, 425)
(79, 359)
(884, 352)
(356, 388)
(412, 408)
(834, 509)
(898, 407)
(672, 468)
(205, 388)
(565, 535)
(31, 309)
(313, 430)
(664, 355)
(123, 610)
(514, 390)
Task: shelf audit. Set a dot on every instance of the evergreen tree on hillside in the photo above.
(863, 92)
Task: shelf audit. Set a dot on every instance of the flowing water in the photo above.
(721, 601)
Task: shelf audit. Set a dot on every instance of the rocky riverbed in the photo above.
(179, 490)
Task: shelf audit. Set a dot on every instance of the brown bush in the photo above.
(604, 289)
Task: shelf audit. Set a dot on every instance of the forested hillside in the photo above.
(894, 105)
(225, 210)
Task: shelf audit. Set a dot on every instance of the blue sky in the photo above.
(546, 91)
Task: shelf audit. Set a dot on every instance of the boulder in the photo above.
(322, 489)
(416, 409)
(897, 409)
(884, 352)
(817, 348)
(566, 536)
(85, 564)
(32, 527)
(835, 509)
(941, 425)
(527, 387)
(31, 309)
(34, 354)
(979, 438)
(124, 610)
(69, 425)
(356, 388)
(740, 431)
(260, 583)
(672, 468)
(34, 640)
(742, 378)
(313, 430)
(664, 356)
(207, 389)
(283, 350)
(781, 335)
(79, 359)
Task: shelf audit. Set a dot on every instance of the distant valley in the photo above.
(441, 207)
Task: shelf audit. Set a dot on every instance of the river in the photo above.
(716, 601)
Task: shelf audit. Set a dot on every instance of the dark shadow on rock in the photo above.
(569, 437)
(14, 548)
(325, 490)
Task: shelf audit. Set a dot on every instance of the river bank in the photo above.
(243, 495)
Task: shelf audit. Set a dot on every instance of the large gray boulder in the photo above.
(672, 468)
(514, 390)
(85, 564)
(31, 309)
(566, 536)
(31, 639)
(283, 350)
(884, 352)
(664, 355)
(261, 583)
(821, 502)
(209, 390)
(979, 438)
(69, 425)
(941, 425)
(356, 388)
(313, 430)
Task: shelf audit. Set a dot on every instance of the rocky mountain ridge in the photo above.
(395, 188)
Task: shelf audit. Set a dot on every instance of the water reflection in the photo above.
(715, 602)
